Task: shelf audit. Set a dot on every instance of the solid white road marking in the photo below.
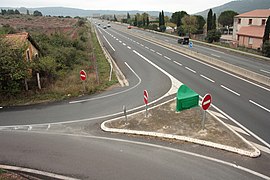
(262, 148)
(190, 69)
(217, 114)
(215, 55)
(207, 78)
(229, 164)
(178, 63)
(259, 105)
(237, 129)
(167, 58)
(228, 89)
(265, 71)
(33, 171)
(108, 43)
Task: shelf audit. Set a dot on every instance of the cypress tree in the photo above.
(266, 30)
(214, 25)
(159, 17)
(147, 21)
(209, 20)
(128, 16)
(162, 18)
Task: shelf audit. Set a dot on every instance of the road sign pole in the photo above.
(146, 111)
(84, 88)
(125, 113)
(203, 119)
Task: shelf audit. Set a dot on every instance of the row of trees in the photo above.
(16, 12)
(266, 41)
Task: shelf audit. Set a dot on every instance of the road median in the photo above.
(164, 122)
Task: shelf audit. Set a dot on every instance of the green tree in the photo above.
(37, 13)
(17, 12)
(190, 24)
(135, 21)
(177, 16)
(3, 11)
(10, 12)
(201, 22)
(114, 18)
(147, 21)
(214, 24)
(13, 69)
(226, 18)
(27, 12)
(213, 36)
(159, 19)
(128, 16)
(266, 30)
(209, 20)
(162, 18)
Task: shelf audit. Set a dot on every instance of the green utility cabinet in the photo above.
(186, 98)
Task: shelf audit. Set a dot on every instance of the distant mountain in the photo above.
(239, 6)
(63, 11)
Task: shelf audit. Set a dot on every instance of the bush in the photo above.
(162, 28)
(213, 36)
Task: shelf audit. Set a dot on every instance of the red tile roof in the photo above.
(259, 13)
(252, 31)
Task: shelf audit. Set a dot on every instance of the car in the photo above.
(104, 27)
(108, 25)
(98, 24)
(129, 27)
(183, 40)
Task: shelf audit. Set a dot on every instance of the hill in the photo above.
(73, 12)
(239, 6)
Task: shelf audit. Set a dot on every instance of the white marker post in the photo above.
(145, 98)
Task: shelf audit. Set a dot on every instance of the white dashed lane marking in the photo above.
(129, 47)
(207, 78)
(167, 58)
(152, 50)
(159, 53)
(178, 63)
(265, 71)
(228, 89)
(190, 69)
(257, 104)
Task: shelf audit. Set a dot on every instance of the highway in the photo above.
(242, 100)
(99, 155)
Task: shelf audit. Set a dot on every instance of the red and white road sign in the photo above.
(83, 75)
(145, 97)
(206, 102)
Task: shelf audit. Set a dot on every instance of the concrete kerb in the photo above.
(120, 76)
(253, 154)
(229, 67)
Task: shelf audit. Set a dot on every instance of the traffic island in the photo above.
(163, 121)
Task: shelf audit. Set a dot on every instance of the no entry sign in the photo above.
(145, 97)
(206, 102)
(83, 75)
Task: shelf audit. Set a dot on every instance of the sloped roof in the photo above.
(258, 13)
(19, 39)
(252, 31)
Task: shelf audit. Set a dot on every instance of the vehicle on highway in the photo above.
(104, 27)
(129, 27)
(183, 40)
(108, 25)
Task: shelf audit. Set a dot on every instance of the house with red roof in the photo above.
(248, 28)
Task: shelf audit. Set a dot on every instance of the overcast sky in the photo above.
(190, 6)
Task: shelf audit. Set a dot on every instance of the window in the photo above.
(250, 21)
(263, 21)
(250, 40)
(239, 21)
